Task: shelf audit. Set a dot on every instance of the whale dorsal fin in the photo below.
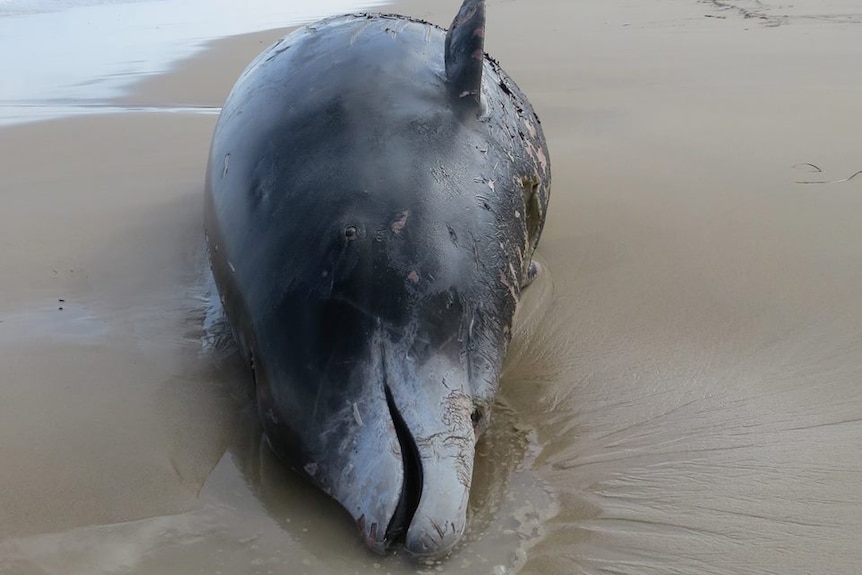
(465, 56)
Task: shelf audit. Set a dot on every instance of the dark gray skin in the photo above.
(376, 189)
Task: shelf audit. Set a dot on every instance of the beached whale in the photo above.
(375, 192)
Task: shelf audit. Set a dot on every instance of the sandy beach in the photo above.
(684, 389)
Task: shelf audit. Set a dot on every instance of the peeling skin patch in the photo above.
(543, 161)
(398, 225)
(226, 162)
(413, 277)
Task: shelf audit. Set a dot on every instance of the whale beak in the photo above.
(399, 458)
(431, 402)
(433, 422)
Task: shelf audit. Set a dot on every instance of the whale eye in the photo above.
(350, 233)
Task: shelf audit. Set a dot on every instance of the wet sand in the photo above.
(684, 391)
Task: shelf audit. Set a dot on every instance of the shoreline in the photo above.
(217, 67)
(107, 45)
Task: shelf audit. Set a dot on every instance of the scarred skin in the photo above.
(374, 196)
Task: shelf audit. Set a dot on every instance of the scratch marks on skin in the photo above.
(515, 131)
(440, 173)
(476, 258)
(509, 285)
(399, 25)
(468, 348)
(458, 440)
(487, 181)
(457, 409)
(440, 531)
(452, 235)
(359, 31)
(519, 253)
(512, 271)
(526, 141)
(226, 163)
(276, 50)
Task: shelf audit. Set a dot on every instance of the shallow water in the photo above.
(684, 389)
(250, 512)
(73, 57)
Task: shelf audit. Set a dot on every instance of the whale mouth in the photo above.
(411, 488)
(399, 458)
(432, 426)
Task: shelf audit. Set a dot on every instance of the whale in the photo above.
(375, 192)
